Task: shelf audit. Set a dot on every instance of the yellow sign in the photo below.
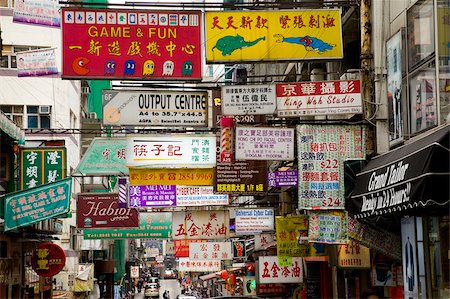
(175, 176)
(273, 35)
(354, 255)
(292, 236)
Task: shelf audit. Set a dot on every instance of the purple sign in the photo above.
(152, 196)
(283, 178)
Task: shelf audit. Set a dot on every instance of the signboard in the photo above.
(328, 227)
(251, 221)
(263, 240)
(239, 249)
(270, 271)
(319, 98)
(210, 251)
(134, 271)
(151, 226)
(161, 151)
(322, 150)
(256, 143)
(249, 286)
(152, 196)
(31, 206)
(283, 178)
(131, 44)
(248, 99)
(201, 225)
(100, 210)
(187, 265)
(104, 156)
(241, 178)
(292, 236)
(273, 35)
(181, 247)
(353, 255)
(155, 108)
(170, 248)
(40, 12)
(48, 259)
(39, 166)
(410, 257)
(172, 176)
(188, 196)
(40, 62)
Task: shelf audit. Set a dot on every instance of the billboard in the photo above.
(248, 99)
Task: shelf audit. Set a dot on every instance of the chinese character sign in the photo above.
(181, 247)
(270, 271)
(36, 63)
(188, 265)
(210, 251)
(131, 44)
(40, 12)
(283, 178)
(273, 35)
(248, 99)
(262, 241)
(152, 195)
(39, 166)
(328, 227)
(173, 176)
(48, 259)
(200, 225)
(353, 255)
(292, 235)
(321, 153)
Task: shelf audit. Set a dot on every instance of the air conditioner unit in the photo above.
(92, 115)
(44, 109)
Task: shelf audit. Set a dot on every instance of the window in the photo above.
(14, 113)
(8, 59)
(7, 3)
(38, 117)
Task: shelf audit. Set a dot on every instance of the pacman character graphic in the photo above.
(79, 66)
(148, 68)
(310, 43)
(110, 67)
(228, 44)
(129, 68)
(187, 68)
(168, 67)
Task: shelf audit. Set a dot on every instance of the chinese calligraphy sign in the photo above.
(210, 251)
(270, 271)
(48, 259)
(174, 176)
(201, 225)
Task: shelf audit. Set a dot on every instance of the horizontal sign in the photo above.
(329, 227)
(181, 247)
(210, 251)
(188, 196)
(161, 151)
(241, 177)
(152, 196)
(251, 221)
(248, 99)
(262, 241)
(319, 98)
(201, 225)
(101, 210)
(270, 270)
(283, 178)
(41, 12)
(188, 265)
(353, 255)
(155, 108)
(131, 44)
(172, 176)
(40, 62)
(255, 143)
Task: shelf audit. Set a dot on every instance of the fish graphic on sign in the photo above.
(228, 44)
(310, 43)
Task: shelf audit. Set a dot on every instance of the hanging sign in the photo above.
(270, 271)
(292, 236)
(152, 196)
(201, 225)
(39, 12)
(353, 255)
(248, 99)
(210, 251)
(40, 62)
(181, 247)
(251, 221)
(188, 265)
(188, 196)
(48, 259)
(283, 178)
(330, 227)
(172, 176)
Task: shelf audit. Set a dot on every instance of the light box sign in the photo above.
(40, 62)
(329, 227)
(292, 235)
(210, 251)
(319, 98)
(283, 178)
(173, 176)
(188, 265)
(152, 196)
(201, 225)
(248, 99)
(273, 35)
(353, 255)
(188, 196)
(270, 270)
(33, 205)
(39, 12)
(161, 151)
(40, 166)
(155, 108)
(131, 44)
(181, 247)
(251, 221)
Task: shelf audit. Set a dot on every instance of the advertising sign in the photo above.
(201, 225)
(283, 178)
(410, 258)
(39, 166)
(251, 221)
(239, 250)
(292, 235)
(181, 247)
(188, 196)
(256, 143)
(273, 35)
(48, 259)
(241, 177)
(187, 265)
(263, 240)
(172, 176)
(210, 251)
(353, 255)
(319, 98)
(40, 12)
(152, 196)
(36, 63)
(31, 206)
(131, 44)
(134, 271)
(248, 99)
(151, 226)
(328, 227)
(161, 151)
(100, 210)
(270, 271)
(322, 150)
(155, 108)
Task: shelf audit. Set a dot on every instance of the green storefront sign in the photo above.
(33, 205)
(151, 226)
(105, 156)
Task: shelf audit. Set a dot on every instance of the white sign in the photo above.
(200, 225)
(319, 98)
(270, 271)
(155, 108)
(36, 63)
(251, 221)
(255, 143)
(263, 240)
(200, 196)
(248, 99)
(134, 271)
(161, 151)
(187, 265)
(210, 251)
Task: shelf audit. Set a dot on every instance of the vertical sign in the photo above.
(409, 258)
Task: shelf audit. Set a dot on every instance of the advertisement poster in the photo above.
(201, 225)
(36, 63)
(39, 12)
(409, 258)
(422, 96)
(283, 178)
(292, 235)
(251, 221)
(181, 247)
(189, 196)
(131, 44)
(152, 196)
(210, 251)
(172, 176)
(354, 256)
(273, 35)
(328, 227)
(248, 99)
(270, 271)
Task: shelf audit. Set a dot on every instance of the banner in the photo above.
(187, 265)
(248, 99)
(131, 44)
(181, 247)
(210, 251)
(36, 63)
(40, 12)
(251, 221)
(292, 236)
(201, 225)
(328, 227)
(172, 176)
(270, 271)
(188, 196)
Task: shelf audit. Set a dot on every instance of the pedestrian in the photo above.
(166, 294)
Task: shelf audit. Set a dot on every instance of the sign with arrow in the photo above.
(152, 195)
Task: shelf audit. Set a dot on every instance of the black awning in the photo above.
(406, 179)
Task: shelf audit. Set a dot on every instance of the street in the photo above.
(172, 285)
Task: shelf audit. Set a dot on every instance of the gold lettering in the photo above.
(92, 31)
(162, 33)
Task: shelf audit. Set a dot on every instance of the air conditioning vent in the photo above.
(44, 109)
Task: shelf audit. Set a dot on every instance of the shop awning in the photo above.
(405, 180)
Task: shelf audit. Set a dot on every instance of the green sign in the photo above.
(105, 156)
(39, 166)
(151, 226)
(10, 128)
(37, 204)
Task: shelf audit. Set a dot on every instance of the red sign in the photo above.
(131, 44)
(48, 259)
(97, 210)
(181, 247)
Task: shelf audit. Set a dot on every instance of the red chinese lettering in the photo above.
(213, 216)
(180, 231)
(313, 22)
(261, 22)
(298, 22)
(275, 270)
(215, 23)
(284, 21)
(329, 22)
(266, 270)
(246, 22)
(158, 149)
(285, 272)
(174, 150)
(193, 230)
(140, 150)
(295, 270)
(230, 23)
